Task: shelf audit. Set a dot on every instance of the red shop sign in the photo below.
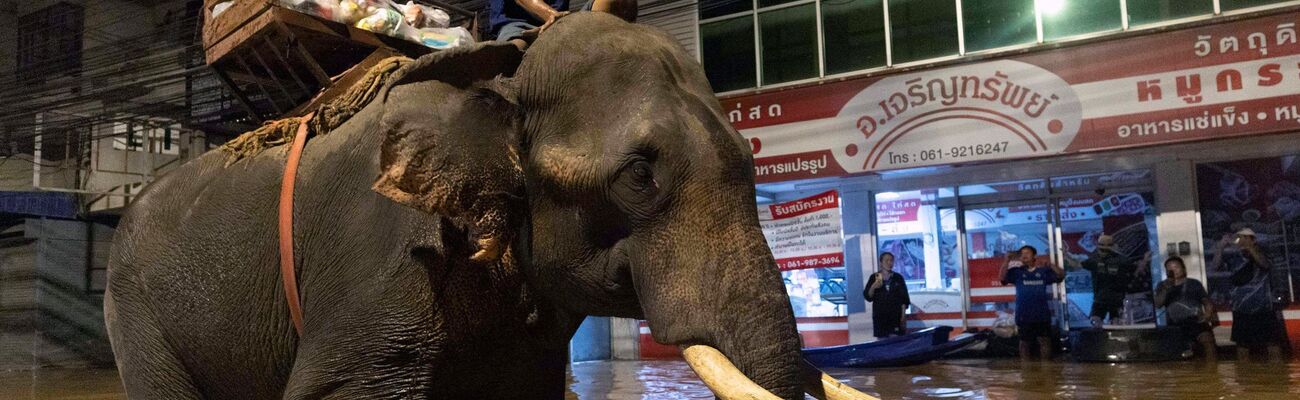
(1231, 79)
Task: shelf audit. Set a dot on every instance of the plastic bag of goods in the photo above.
(382, 20)
(443, 38)
(353, 11)
(420, 17)
(221, 7)
(320, 8)
(1004, 326)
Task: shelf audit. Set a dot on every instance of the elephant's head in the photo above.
(609, 154)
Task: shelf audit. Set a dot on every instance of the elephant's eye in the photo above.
(639, 178)
(636, 189)
(642, 171)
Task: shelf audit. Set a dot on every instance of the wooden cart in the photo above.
(279, 62)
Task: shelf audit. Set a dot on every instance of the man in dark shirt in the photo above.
(1187, 306)
(888, 291)
(1255, 321)
(1033, 299)
(1112, 273)
(516, 20)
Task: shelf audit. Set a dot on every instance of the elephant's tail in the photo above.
(327, 117)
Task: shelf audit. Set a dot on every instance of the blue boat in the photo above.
(914, 348)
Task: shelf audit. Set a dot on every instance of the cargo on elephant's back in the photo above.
(280, 57)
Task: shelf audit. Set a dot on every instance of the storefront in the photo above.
(1165, 140)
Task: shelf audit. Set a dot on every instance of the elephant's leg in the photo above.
(355, 379)
(149, 367)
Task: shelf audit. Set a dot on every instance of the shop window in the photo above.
(1101, 181)
(990, 192)
(727, 47)
(789, 40)
(1064, 18)
(817, 292)
(717, 8)
(769, 3)
(1229, 5)
(922, 29)
(1260, 194)
(854, 32)
(991, 24)
(1130, 219)
(1152, 11)
(920, 229)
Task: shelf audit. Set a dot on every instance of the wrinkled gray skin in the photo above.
(632, 197)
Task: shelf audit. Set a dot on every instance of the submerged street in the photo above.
(950, 379)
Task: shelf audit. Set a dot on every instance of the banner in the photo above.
(1229, 79)
(39, 204)
(804, 233)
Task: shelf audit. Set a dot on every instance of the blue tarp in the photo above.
(42, 204)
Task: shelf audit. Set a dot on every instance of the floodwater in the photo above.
(949, 379)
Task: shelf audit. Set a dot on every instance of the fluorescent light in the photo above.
(1050, 7)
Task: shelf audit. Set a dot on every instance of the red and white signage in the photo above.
(1230, 79)
(888, 212)
(804, 233)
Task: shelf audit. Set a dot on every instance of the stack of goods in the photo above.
(414, 22)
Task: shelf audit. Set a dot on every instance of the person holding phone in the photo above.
(1256, 322)
(888, 291)
(1033, 299)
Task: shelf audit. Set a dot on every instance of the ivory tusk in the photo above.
(721, 376)
(825, 387)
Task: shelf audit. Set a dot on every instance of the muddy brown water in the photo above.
(951, 379)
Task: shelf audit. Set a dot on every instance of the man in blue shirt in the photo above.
(517, 21)
(1033, 299)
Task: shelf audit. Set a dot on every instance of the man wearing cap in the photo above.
(1255, 321)
(1111, 274)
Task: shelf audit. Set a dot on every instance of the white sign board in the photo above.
(804, 233)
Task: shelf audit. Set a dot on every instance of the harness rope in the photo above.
(287, 276)
(274, 133)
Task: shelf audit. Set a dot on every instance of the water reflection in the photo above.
(978, 379)
(952, 379)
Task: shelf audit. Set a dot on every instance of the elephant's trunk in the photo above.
(726, 293)
(758, 331)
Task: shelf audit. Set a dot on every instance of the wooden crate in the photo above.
(277, 60)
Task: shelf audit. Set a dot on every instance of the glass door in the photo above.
(1109, 233)
(919, 229)
(992, 232)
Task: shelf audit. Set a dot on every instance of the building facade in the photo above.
(955, 131)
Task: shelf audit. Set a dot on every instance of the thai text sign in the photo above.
(1230, 79)
(804, 233)
(42, 204)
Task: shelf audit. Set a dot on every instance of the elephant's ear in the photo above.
(450, 145)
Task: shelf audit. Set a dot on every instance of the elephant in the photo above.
(450, 237)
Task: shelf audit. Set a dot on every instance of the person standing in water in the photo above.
(1188, 307)
(1033, 299)
(1255, 321)
(889, 293)
(1112, 273)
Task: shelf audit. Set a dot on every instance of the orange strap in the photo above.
(286, 224)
